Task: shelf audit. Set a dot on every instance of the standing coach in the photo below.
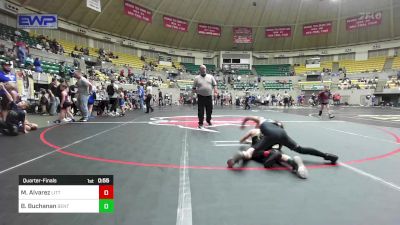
(203, 86)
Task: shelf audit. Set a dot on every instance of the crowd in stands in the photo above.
(45, 44)
(361, 83)
(106, 55)
(109, 99)
(13, 117)
(62, 96)
(393, 82)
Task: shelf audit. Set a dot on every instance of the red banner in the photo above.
(208, 29)
(242, 35)
(277, 32)
(364, 20)
(138, 12)
(175, 23)
(317, 28)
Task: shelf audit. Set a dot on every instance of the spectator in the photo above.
(10, 54)
(44, 102)
(54, 92)
(15, 119)
(62, 69)
(9, 79)
(38, 65)
(92, 99)
(85, 51)
(22, 51)
(113, 95)
(84, 88)
(149, 95)
(29, 62)
(203, 86)
(2, 49)
(141, 95)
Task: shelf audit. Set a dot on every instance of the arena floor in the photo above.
(166, 171)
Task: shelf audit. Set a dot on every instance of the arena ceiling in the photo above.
(227, 14)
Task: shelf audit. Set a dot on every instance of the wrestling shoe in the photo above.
(331, 157)
(301, 170)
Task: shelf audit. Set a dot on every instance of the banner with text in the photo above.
(208, 29)
(242, 35)
(317, 28)
(34, 21)
(138, 12)
(277, 32)
(236, 66)
(94, 4)
(175, 23)
(364, 20)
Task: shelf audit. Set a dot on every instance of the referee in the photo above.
(203, 86)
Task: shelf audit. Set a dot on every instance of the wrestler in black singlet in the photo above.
(274, 134)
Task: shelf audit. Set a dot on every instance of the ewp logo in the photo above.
(27, 21)
(191, 122)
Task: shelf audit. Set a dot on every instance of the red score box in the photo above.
(106, 192)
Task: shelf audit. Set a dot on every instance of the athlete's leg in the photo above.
(329, 111)
(297, 165)
(292, 145)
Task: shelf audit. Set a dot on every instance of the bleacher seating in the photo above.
(210, 67)
(127, 59)
(271, 85)
(9, 32)
(358, 84)
(184, 84)
(237, 85)
(195, 69)
(314, 85)
(177, 64)
(191, 68)
(370, 65)
(49, 67)
(3, 58)
(392, 83)
(273, 70)
(244, 72)
(69, 47)
(396, 63)
(303, 70)
(221, 86)
(122, 60)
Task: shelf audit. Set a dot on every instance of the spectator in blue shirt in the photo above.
(38, 65)
(141, 95)
(9, 80)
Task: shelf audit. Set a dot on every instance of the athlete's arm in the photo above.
(248, 135)
(194, 88)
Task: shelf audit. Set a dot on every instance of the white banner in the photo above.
(94, 4)
(165, 63)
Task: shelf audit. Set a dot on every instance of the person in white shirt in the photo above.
(149, 95)
(203, 86)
